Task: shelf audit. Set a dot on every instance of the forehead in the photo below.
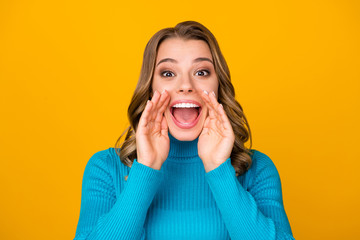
(181, 49)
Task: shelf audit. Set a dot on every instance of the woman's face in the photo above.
(184, 68)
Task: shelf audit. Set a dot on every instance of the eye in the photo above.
(167, 74)
(202, 73)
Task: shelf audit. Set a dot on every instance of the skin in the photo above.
(189, 75)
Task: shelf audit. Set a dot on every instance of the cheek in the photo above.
(159, 86)
(155, 86)
(209, 85)
(216, 87)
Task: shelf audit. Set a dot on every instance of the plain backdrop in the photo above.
(68, 70)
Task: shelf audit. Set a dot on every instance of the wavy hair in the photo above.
(240, 155)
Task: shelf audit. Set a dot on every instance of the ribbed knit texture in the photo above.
(181, 200)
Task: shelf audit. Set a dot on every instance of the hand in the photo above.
(217, 138)
(152, 140)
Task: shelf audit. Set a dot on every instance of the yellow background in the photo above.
(68, 70)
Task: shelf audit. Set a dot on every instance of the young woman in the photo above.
(183, 171)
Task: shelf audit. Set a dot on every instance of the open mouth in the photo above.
(185, 114)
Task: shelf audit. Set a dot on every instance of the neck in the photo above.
(183, 149)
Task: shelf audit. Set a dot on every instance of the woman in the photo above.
(183, 171)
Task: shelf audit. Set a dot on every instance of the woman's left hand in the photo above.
(217, 138)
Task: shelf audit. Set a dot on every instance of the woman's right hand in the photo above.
(152, 140)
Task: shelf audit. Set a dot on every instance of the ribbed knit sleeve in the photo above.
(102, 214)
(256, 212)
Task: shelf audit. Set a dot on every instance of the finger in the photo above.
(155, 99)
(164, 127)
(215, 104)
(162, 105)
(145, 116)
(165, 105)
(213, 100)
(163, 102)
(212, 112)
(224, 117)
(207, 101)
(214, 115)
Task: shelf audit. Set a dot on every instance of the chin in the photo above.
(185, 135)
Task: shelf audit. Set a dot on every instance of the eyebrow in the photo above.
(200, 59)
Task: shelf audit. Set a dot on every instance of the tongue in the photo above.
(185, 115)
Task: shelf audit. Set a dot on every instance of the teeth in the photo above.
(185, 105)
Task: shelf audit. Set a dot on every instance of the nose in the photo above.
(185, 90)
(185, 85)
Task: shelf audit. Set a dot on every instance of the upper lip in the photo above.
(185, 101)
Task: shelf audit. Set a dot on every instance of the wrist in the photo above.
(151, 164)
(211, 165)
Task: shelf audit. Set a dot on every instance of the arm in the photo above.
(102, 215)
(254, 214)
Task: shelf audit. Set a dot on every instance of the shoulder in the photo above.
(262, 169)
(105, 161)
(99, 158)
(260, 161)
(105, 170)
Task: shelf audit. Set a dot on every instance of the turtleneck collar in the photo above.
(183, 150)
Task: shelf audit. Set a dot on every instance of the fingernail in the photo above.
(163, 91)
(155, 92)
(206, 92)
(221, 105)
(213, 93)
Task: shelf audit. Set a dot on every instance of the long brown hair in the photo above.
(240, 155)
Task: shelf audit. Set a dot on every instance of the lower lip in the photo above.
(183, 125)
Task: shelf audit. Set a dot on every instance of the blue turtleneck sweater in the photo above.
(181, 200)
